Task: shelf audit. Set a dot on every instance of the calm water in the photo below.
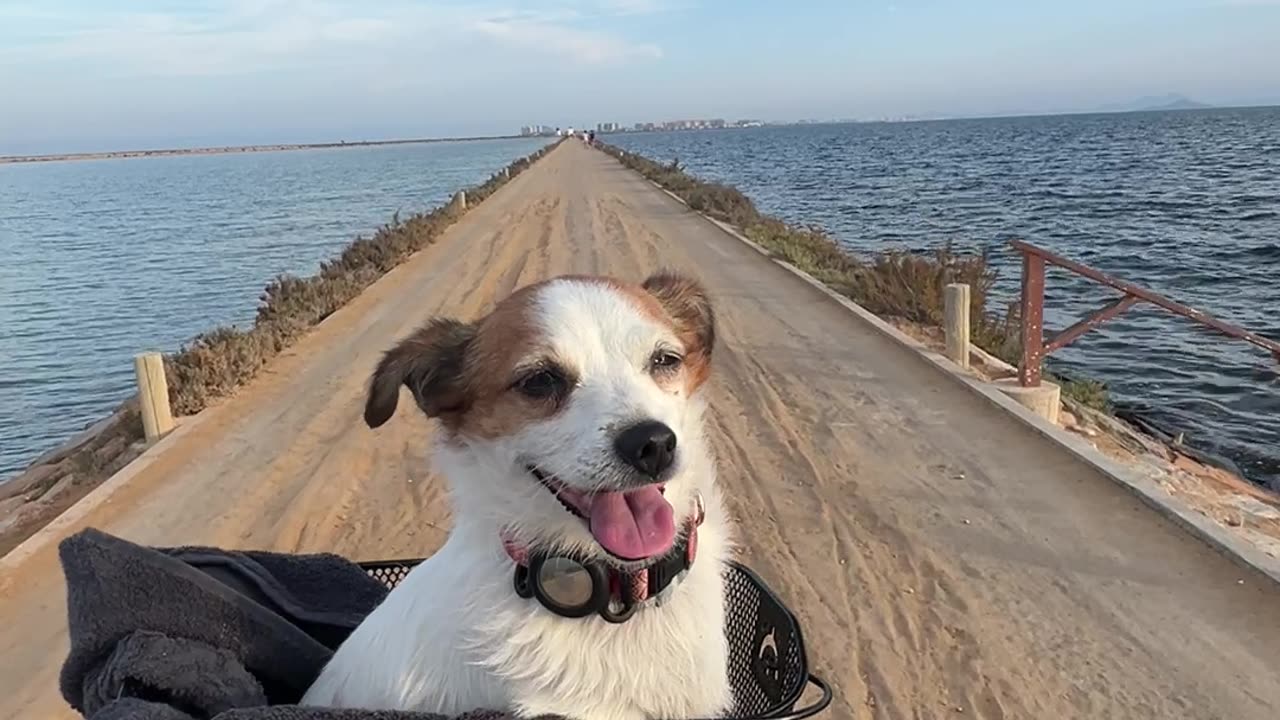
(102, 259)
(1185, 203)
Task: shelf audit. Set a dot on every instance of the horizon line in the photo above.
(234, 149)
(289, 147)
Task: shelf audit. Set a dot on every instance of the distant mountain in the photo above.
(1172, 101)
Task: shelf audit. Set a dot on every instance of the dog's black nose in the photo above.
(649, 447)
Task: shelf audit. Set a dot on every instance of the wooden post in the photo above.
(1032, 312)
(153, 395)
(956, 306)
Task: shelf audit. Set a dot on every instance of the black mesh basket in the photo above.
(768, 669)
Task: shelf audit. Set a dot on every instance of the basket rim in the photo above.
(785, 708)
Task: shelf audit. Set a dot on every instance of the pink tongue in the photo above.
(633, 525)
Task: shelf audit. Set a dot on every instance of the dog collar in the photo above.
(634, 586)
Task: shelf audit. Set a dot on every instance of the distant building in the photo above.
(608, 127)
(692, 124)
(689, 124)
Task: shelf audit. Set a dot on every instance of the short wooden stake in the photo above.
(153, 395)
(956, 306)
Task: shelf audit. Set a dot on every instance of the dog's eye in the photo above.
(665, 360)
(541, 383)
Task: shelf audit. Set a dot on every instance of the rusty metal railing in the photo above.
(1035, 349)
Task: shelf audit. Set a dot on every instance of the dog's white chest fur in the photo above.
(454, 637)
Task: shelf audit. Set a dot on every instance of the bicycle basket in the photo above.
(768, 668)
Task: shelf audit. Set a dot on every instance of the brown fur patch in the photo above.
(503, 338)
(680, 302)
(462, 373)
(645, 302)
(430, 363)
(685, 302)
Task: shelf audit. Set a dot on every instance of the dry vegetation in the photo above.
(215, 363)
(891, 283)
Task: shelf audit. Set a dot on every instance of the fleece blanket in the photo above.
(196, 633)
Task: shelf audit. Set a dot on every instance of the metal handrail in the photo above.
(1035, 349)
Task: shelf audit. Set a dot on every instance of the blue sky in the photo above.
(98, 74)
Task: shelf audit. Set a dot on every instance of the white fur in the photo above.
(454, 637)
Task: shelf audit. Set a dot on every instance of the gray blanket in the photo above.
(204, 634)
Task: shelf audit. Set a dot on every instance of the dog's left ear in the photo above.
(431, 363)
(686, 301)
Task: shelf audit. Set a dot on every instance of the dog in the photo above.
(570, 422)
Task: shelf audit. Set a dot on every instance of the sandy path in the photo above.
(946, 561)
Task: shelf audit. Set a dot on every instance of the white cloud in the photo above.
(240, 37)
(632, 7)
(591, 47)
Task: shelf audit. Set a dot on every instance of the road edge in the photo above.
(1148, 491)
(99, 496)
(51, 532)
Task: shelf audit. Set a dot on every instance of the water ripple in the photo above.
(103, 259)
(1186, 203)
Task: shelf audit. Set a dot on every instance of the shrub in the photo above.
(892, 283)
(215, 363)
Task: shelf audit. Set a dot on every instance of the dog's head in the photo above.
(570, 412)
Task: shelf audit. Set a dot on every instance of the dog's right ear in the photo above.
(686, 300)
(430, 363)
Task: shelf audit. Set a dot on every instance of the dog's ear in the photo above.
(430, 363)
(686, 301)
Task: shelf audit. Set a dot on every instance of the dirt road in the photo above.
(947, 562)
